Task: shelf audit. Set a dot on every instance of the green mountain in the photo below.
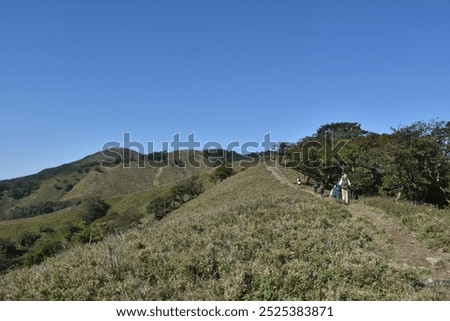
(45, 213)
(202, 227)
(100, 175)
(254, 236)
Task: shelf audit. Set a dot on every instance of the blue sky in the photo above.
(76, 74)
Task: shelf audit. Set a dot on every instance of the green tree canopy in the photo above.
(222, 172)
(412, 162)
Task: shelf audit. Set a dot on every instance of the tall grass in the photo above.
(248, 238)
(430, 224)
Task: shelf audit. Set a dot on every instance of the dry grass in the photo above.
(427, 222)
(247, 238)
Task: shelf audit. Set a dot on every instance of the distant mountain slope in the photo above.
(63, 186)
(247, 238)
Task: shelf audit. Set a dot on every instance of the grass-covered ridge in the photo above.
(247, 238)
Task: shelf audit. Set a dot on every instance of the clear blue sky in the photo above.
(76, 74)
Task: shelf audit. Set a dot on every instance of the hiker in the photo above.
(344, 183)
(322, 189)
(316, 187)
(299, 183)
(334, 192)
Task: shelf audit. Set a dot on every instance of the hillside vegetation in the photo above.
(246, 238)
(124, 230)
(64, 186)
(51, 218)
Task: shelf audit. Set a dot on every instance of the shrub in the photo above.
(70, 229)
(122, 221)
(44, 251)
(47, 229)
(92, 209)
(8, 249)
(28, 238)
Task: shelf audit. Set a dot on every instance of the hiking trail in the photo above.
(158, 172)
(406, 248)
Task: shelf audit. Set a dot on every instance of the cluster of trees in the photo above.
(9, 254)
(411, 163)
(171, 199)
(34, 210)
(92, 222)
(18, 189)
(183, 191)
(79, 230)
(82, 230)
(92, 209)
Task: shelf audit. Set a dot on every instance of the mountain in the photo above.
(180, 226)
(104, 174)
(254, 236)
(57, 208)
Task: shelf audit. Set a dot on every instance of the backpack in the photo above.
(344, 183)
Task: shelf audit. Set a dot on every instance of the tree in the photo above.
(413, 162)
(175, 197)
(161, 205)
(186, 190)
(92, 209)
(222, 172)
(420, 168)
(342, 130)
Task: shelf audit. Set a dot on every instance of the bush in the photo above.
(8, 249)
(44, 251)
(47, 229)
(28, 238)
(123, 221)
(70, 229)
(92, 209)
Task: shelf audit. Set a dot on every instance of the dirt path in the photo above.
(406, 248)
(278, 175)
(158, 172)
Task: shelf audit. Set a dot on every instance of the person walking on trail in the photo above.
(299, 183)
(316, 187)
(335, 192)
(322, 189)
(344, 183)
(332, 191)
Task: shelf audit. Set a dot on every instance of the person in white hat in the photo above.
(345, 184)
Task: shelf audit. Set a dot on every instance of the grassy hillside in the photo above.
(246, 238)
(48, 220)
(63, 186)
